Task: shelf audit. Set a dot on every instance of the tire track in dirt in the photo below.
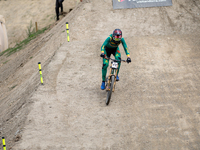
(195, 3)
(195, 18)
(166, 19)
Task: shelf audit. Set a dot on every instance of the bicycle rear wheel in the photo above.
(110, 91)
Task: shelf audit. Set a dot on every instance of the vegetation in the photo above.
(5, 62)
(30, 29)
(13, 87)
(31, 35)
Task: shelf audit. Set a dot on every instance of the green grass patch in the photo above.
(6, 61)
(32, 35)
(13, 87)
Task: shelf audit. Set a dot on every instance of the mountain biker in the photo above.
(111, 46)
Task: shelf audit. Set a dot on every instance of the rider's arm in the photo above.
(125, 47)
(105, 43)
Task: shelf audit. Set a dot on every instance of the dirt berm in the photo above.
(155, 105)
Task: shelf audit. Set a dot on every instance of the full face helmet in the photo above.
(117, 35)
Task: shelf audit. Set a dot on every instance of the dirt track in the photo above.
(156, 102)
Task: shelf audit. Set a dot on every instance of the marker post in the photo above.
(67, 29)
(40, 70)
(4, 143)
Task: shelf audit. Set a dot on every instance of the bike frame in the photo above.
(111, 79)
(113, 71)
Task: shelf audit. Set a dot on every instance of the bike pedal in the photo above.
(107, 89)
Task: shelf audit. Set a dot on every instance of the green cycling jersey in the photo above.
(110, 44)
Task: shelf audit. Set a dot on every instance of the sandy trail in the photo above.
(155, 105)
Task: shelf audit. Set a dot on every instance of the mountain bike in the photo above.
(111, 78)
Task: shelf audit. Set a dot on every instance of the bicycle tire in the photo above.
(110, 91)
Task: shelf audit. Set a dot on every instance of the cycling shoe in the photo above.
(117, 78)
(103, 86)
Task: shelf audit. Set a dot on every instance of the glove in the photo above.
(102, 55)
(128, 60)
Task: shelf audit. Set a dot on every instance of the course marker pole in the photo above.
(4, 143)
(40, 70)
(36, 28)
(67, 29)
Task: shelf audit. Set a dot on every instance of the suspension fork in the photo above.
(109, 78)
(115, 80)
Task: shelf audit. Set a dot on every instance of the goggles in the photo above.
(117, 38)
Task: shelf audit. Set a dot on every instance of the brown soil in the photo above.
(155, 104)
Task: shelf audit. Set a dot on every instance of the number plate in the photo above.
(114, 65)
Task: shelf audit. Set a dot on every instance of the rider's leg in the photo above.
(104, 68)
(107, 53)
(104, 71)
(118, 57)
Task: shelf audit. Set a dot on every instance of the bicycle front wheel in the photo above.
(110, 91)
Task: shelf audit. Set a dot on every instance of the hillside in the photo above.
(156, 102)
(19, 21)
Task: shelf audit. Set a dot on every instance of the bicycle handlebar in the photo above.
(115, 59)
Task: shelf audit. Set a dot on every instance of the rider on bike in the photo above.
(110, 46)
